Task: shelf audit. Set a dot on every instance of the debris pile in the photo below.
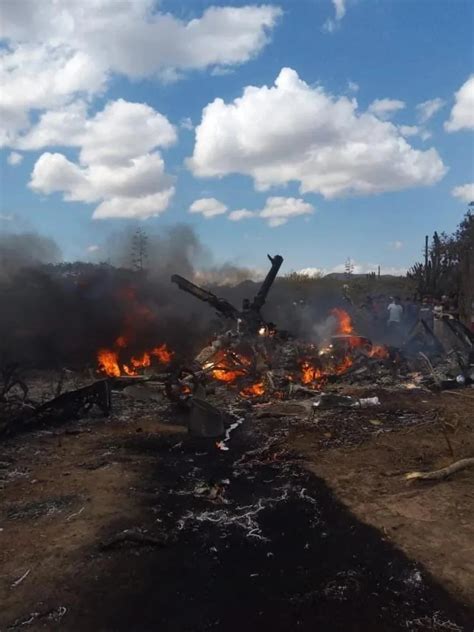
(248, 363)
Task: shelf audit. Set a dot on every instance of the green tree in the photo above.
(448, 267)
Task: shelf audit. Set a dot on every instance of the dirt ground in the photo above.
(62, 488)
(68, 491)
(432, 522)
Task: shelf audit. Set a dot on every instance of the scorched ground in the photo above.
(286, 509)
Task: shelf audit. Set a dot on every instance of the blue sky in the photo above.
(362, 185)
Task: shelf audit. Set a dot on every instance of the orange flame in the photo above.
(332, 364)
(379, 351)
(108, 362)
(344, 366)
(344, 321)
(310, 373)
(113, 361)
(225, 375)
(229, 366)
(139, 363)
(255, 390)
(162, 353)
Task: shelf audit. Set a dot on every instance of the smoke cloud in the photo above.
(59, 314)
(21, 250)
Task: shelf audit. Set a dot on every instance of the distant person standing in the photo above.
(410, 312)
(395, 314)
(438, 313)
(426, 313)
(379, 313)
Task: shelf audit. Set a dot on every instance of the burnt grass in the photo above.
(308, 565)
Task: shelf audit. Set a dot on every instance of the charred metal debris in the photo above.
(249, 364)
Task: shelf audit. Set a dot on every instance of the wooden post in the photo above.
(426, 261)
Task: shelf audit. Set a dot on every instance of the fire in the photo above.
(114, 361)
(338, 357)
(343, 366)
(162, 353)
(110, 363)
(379, 351)
(343, 320)
(227, 366)
(310, 373)
(225, 375)
(255, 390)
(142, 362)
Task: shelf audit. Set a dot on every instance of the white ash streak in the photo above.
(20, 579)
(78, 513)
(434, 622)
(222, 445)
(244, 517)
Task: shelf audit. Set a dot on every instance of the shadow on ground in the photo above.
(252, 541)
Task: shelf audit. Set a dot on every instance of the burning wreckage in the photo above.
(222, 504)
(256, 360)
(251, 360)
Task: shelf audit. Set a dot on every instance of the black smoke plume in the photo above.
(22, 250)
(56, 315)
(59, 314)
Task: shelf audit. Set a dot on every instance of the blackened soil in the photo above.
(254, 542)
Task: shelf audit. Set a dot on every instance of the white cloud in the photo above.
(396, 245)
(462, 114)
(428, 109)
(409, 130)
(340, 8)
(340, 11)
(221, 71)
(313, 273)
(293, 132)
(330, 25)
(278, 210)
(208, 207)
(139, 189)
(464, 192)
(353, 86)
(122, 130)
(93, 248)
(186, 123)
(141, 207)
(414, 130)
(237, 216)
(37, 77)
(384, 108)
(53, 54)
(118, 166)
(14, 158)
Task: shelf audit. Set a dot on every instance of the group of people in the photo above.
(396, 317)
